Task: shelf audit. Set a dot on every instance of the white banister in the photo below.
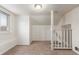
(63, 39)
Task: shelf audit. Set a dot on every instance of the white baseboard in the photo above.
(24, 43)
(40, 40)
(75, 50)
(4, 48)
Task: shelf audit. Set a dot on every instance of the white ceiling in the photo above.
(59, 9)
(29, 8)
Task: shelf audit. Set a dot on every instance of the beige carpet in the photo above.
(37, 48)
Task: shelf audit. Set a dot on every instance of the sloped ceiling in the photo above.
(28, 9)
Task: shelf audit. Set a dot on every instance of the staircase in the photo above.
(62, 39)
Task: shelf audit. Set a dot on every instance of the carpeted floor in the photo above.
(37, 48)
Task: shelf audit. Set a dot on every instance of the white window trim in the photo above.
(8, 22)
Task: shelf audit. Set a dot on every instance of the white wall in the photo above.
(40, 27)
(41, 33)
(30, 29)
(7, 37)
(73, 18)
(23, 30)
(40, 19)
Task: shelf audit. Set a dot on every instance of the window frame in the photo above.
(8, 22)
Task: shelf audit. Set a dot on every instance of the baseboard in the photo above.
(40, 40)
(24, 43)
(8, 46)
(75, 51)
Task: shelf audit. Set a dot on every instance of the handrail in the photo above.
(63, 38)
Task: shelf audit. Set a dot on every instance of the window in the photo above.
(3, 21)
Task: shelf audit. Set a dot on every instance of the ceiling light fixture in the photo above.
(38, 6)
